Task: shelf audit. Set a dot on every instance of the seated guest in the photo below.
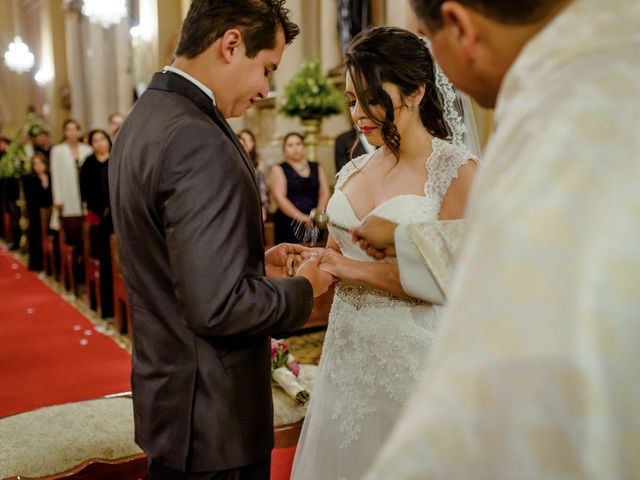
(248, 141)
(40, 141)
(116, 120)
(10, 191)
(37, 194)
(66, 159)
(94, 191)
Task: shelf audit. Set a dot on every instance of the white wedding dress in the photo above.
(375, 344)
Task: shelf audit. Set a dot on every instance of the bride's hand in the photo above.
(334, 263)
(312, 251)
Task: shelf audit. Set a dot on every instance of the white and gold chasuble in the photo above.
(534, 372)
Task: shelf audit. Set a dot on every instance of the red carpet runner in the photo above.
(49, 352)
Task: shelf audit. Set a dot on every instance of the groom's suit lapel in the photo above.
(173, 82)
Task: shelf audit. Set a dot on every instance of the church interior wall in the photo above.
(97, 71)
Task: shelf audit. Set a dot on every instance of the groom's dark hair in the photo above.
(510, 12)
(258, 20)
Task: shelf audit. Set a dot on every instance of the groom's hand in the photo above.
(376, 236)
(280, 261)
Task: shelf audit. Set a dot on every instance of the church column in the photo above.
(123, 85)
(54, 54)
(146, 49)
(400, 14)
(75, 88)
(169, 22)
(184, 4)
(331, 57)
(13, 86)
(330, 54)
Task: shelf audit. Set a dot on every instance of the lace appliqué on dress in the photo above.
(442, 167)
(373, 343)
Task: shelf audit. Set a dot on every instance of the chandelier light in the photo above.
(105, 13)
(18, 57)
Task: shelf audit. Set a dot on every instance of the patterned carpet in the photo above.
(307, 346)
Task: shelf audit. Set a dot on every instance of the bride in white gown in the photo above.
(377, 337)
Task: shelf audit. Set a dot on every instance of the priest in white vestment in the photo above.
(534, 374)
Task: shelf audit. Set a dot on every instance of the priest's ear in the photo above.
(460, 27)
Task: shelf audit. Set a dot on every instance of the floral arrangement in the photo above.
(15, 163)
(281, 357)
(285, 370)
(310, 94)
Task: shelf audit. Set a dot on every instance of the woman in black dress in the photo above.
(297, 186)
(37, 194)
(94, 190)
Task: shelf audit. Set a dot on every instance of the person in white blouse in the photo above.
(66, 159)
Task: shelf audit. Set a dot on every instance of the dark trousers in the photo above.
(258, 471)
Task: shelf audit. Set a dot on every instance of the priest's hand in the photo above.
(281, 260)
(320, 281)
(376, 236)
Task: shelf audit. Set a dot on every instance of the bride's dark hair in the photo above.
(394, 55)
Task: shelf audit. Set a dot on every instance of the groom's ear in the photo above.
(230, 44)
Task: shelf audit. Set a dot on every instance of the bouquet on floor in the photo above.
(285, 371)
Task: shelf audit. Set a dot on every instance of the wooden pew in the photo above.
(121, 310)
(269, 235)
(70, 245)
(48, 244)
(91, 272)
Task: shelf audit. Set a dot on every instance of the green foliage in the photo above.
(310, 94)
(15, 163)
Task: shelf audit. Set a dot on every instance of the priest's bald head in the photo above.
(476, 41)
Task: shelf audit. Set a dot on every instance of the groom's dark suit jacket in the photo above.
(187, 215)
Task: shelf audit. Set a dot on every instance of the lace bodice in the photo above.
(442, 167)
(366, 324)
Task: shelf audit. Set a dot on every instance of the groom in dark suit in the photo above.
(187, 214)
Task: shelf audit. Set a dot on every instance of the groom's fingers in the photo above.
(377, 254)
(294, 248)
(289, 265)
